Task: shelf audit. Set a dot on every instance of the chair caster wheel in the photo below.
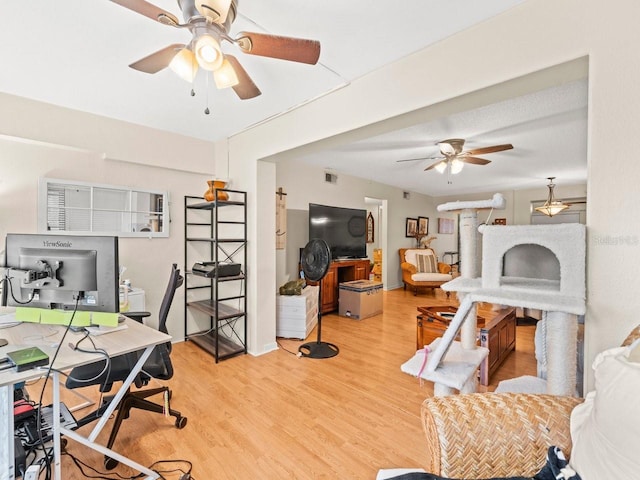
(181, 422)
(110, 463)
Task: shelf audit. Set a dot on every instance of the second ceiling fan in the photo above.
(453, 157)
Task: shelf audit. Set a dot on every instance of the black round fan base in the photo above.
(318, 350)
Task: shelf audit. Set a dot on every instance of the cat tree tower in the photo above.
(451, 365)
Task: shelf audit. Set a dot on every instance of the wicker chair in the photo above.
(485, 435)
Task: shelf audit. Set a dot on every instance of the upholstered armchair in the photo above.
(420, 268)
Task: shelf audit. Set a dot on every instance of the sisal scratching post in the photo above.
(469, 269)
(560, 344)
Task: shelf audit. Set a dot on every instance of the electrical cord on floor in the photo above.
(85, 469)
(285, 349)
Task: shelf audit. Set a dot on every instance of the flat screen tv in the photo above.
(344, 230)
(56, 271)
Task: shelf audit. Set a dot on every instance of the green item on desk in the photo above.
(27, 314)
(53, 317)
(105, 319)
(63, 317)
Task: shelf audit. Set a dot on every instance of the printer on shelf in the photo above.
(209, 269)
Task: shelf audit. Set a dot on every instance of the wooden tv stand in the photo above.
(340, 271)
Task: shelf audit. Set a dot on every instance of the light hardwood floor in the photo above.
(279, 416)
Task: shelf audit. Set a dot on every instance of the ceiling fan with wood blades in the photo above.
(453, 157)
(209, 22)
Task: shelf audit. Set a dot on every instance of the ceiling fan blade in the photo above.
(421, 158)
(474, 160)
(158, 60)
(285, 48)
(434, 164)
(482, 151)
(245, 88)
(149, 10)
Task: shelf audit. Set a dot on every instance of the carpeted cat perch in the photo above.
(561, 300)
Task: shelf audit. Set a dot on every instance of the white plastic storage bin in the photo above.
(297, 315)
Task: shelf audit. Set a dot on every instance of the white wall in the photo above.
(60, 143)
(529, 38)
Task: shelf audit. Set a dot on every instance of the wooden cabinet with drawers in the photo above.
(340, 271)
(496, 331)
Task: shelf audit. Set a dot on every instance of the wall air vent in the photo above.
(330, 177)
(406, 195)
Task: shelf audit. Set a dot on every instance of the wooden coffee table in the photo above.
(498, 334)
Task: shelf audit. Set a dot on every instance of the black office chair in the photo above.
(158, 366)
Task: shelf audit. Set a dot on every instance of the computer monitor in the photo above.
(53, 271)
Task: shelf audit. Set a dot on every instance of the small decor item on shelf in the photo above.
(209, 195)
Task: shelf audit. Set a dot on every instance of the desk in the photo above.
(46, 337)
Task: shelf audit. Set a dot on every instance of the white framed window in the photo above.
(66, 206)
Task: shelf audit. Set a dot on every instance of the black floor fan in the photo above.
(316, 258)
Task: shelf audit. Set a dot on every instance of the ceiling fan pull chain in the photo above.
(206, 110)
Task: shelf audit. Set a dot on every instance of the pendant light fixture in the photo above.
(552, 206)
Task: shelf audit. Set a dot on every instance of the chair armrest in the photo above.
(137, 316)
(444, 267)
(484, 435)
(409, 267)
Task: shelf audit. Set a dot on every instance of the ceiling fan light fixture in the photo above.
(184, 65)
(441, 167)
(552, 206)
(216, 10)
(447, 148)
(456, 166)
(225, 76)
(208, 52)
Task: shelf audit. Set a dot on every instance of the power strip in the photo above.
(31, 473)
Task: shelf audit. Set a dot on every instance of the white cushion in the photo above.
(394, 472)
(605, 429)
(431, 277)
(410, 254)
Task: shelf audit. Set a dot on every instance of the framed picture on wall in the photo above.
(370, 229)
(423, 225)
(445, 225)
(411, 227)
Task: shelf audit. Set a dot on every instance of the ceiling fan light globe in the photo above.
(441, 167)
(456, 166)
(225, 76)
(208, 53)
(184, 65)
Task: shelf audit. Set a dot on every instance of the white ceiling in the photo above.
(548, 130)
(75, 53)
